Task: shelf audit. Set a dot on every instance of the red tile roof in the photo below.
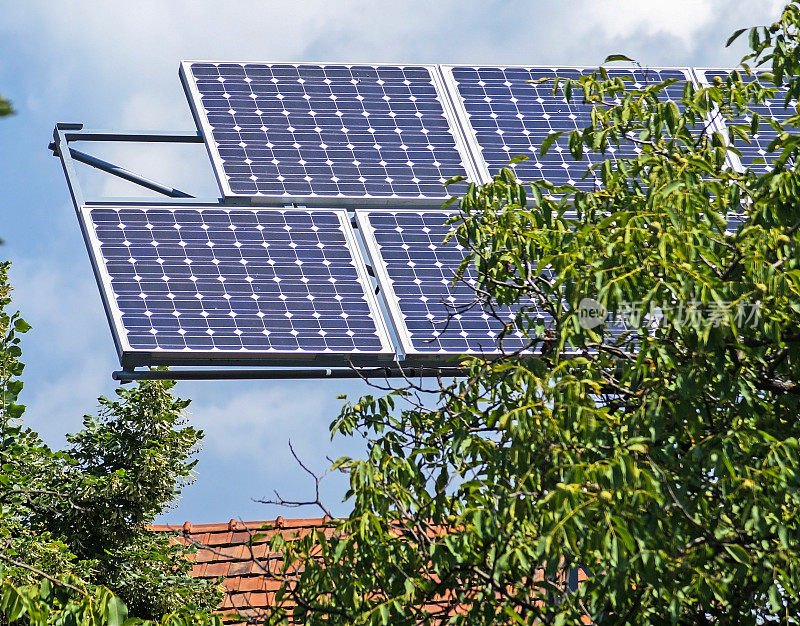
(239, 552)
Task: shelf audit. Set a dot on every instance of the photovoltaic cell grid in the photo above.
(510, 116)
(416, 272)
(766, 134)
(306, 131)
(247, 283)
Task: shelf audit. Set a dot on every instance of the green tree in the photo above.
(664, 463)
(74, 544)
(122, 470)
(5, 107)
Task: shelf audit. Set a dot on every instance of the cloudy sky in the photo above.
(114, 65)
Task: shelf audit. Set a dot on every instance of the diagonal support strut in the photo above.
(125, 174)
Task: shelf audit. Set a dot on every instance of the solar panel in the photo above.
(192, 285)
(433, 316)
(508, 116)
(773, 107)
(315, 132)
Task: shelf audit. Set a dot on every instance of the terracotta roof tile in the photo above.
(239, 553)
(199, 571)
(263, 551)
(252, 584)
(213, 570)
(219, 539)
(242, 568)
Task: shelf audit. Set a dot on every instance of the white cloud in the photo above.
(678, 18)
(114, 59)
(246, 453)
(250, 423)
(257, 419)
(58, 301)
(68, 352)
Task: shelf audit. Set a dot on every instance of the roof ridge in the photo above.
(238, 525)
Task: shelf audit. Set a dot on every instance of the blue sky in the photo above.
(114, 65)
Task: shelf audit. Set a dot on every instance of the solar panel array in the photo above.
(320, 131)
(509, 115)
(434, 314)
(243, 284)
(192, 285)
(754, 155)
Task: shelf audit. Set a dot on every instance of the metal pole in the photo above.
(121, 172)
(288, 374)
(76, 132)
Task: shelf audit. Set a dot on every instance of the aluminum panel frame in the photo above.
(716, 121)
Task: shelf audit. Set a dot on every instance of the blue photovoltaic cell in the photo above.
(236, 281)
(510, 117)
(734, 222)
(766, 134)
(433, 315)
(306, 131)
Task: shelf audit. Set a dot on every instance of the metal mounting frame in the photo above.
(407, 363)
(365, 373)
(66, 134)
(720, 125)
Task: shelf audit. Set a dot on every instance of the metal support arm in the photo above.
(121, 172)
(285, 374)
(65, 134)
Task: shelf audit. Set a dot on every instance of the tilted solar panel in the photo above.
(192, 285)
(436, 319)
(773, 107)
(309, 133)
(509, 117)
(415, 270)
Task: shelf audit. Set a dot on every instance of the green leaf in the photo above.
(754, 39)
(513, 615)
(734, 36)
(576, 145)
(738, 553)
(548, 142)
(454, 180)
(618, 57)
(5, 107)
(115, 612)
(673, 116)
(13, 602)
(22, 326)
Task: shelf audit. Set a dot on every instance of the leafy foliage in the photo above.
(74, 547)
(54, 604)
(121, 471)
(5, 107)
(663, 463)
